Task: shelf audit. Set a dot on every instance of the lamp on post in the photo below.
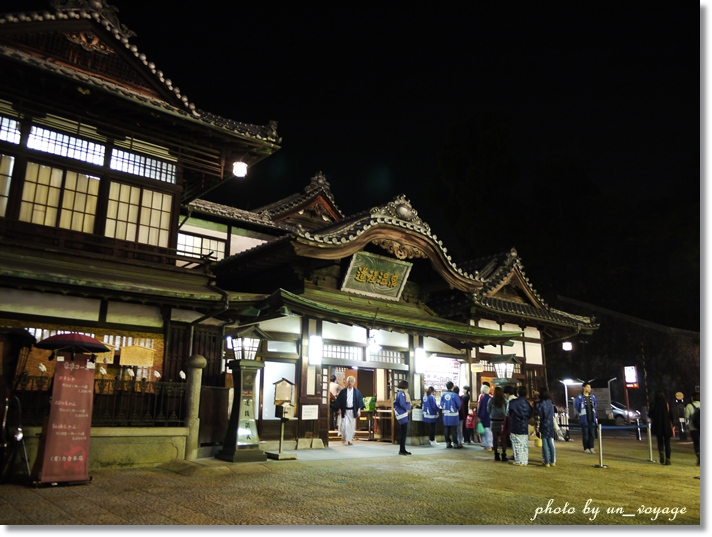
(504, 367)
(567, 383)
(242, 444)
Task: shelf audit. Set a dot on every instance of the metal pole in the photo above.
(650, 445)
(600, 449)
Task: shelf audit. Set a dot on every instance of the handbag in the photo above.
(537, 440)
(480, 428)
(470, 421)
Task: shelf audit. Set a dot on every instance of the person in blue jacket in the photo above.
(401, 407)
(450, 406)
(519, 412)
(545, 427)
(585, 408)
(431, 413)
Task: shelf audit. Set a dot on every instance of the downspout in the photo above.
(225, 307)
(187, 217)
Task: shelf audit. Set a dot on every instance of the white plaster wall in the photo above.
(188, 316)
(187, 228)
(431, 344)
(239, 243)
(517, 349)
(49, 305)
(486, 323)
(532, 332)
(288, 325)
(122, 313)
(342, 332)
(534, 353)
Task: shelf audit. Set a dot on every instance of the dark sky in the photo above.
(366, 93)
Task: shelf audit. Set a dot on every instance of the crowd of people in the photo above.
(503, 419)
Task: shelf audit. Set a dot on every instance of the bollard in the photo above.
(650, 445)
(600, 449)
(637, 429)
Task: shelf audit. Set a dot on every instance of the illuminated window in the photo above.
(138, 215)
(342, 352)
(9, 130)
(46, 188)
(65, 146)
(6, 165)
(134, 164)
(196, 246)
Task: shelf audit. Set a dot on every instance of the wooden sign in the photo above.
(376, 276)
(136, 355)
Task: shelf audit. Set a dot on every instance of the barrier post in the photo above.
(600, 449)
(650, 445)
(637, 429)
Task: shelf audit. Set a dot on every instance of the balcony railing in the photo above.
(117, 403)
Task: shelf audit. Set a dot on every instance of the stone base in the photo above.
(304, 443)
(281, 456)
(250, 454)
(317, 443)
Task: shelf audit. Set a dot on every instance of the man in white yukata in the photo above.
(349, 403)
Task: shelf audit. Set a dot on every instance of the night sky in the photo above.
(383, 100)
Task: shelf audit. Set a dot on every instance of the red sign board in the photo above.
(68, 434)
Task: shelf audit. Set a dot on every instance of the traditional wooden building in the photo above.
(103, 163)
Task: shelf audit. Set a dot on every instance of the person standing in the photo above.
(467, 435)
(457, 434)
(519, 413)
(545, 413)
(585, 408)
(401, 407)
(430, 413)
(497, 408)
(484, 416)
(692, 410)
(450, 405)
(349, 403)
(334, 389)
(661, 425)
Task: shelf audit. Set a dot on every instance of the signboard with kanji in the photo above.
(376, 276)
(68, 433)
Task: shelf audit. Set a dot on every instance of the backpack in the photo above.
(695, 418)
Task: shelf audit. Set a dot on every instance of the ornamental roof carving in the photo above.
(104, 18)
(318, 186)
(239, 215)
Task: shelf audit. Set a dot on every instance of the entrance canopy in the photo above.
(371, 313)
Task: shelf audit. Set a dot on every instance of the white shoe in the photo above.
(433, 442)
(547, 465)
(553, 464)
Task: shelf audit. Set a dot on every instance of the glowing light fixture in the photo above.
(504, 365)
(239, 169)
(316, 348)
(373, 346)
(420, 360)
(566, 345)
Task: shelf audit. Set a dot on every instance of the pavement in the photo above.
(370, 484)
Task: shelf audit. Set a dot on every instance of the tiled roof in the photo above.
(239, 215)
(317, 185)
(105, 15)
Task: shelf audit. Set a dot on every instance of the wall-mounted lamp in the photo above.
(316, 348)
(420, 360)
(504, 365)
(373, 346)
(239, 169)
(567, 346)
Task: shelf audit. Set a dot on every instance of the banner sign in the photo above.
(376, 276)
(68, 434)
(136, 355)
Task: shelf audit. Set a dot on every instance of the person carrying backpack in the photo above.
(692, 415)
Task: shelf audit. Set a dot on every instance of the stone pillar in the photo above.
(196, 364)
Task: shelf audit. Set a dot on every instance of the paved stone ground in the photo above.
(369, 484)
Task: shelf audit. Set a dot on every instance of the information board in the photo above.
(68, 434)
(310, 412)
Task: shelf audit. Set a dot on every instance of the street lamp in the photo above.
(567, 383)
(242, 444)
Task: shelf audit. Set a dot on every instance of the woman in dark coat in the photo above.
(661, 425)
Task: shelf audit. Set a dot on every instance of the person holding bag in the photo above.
(484, 417)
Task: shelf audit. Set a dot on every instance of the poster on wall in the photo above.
(68, 433)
